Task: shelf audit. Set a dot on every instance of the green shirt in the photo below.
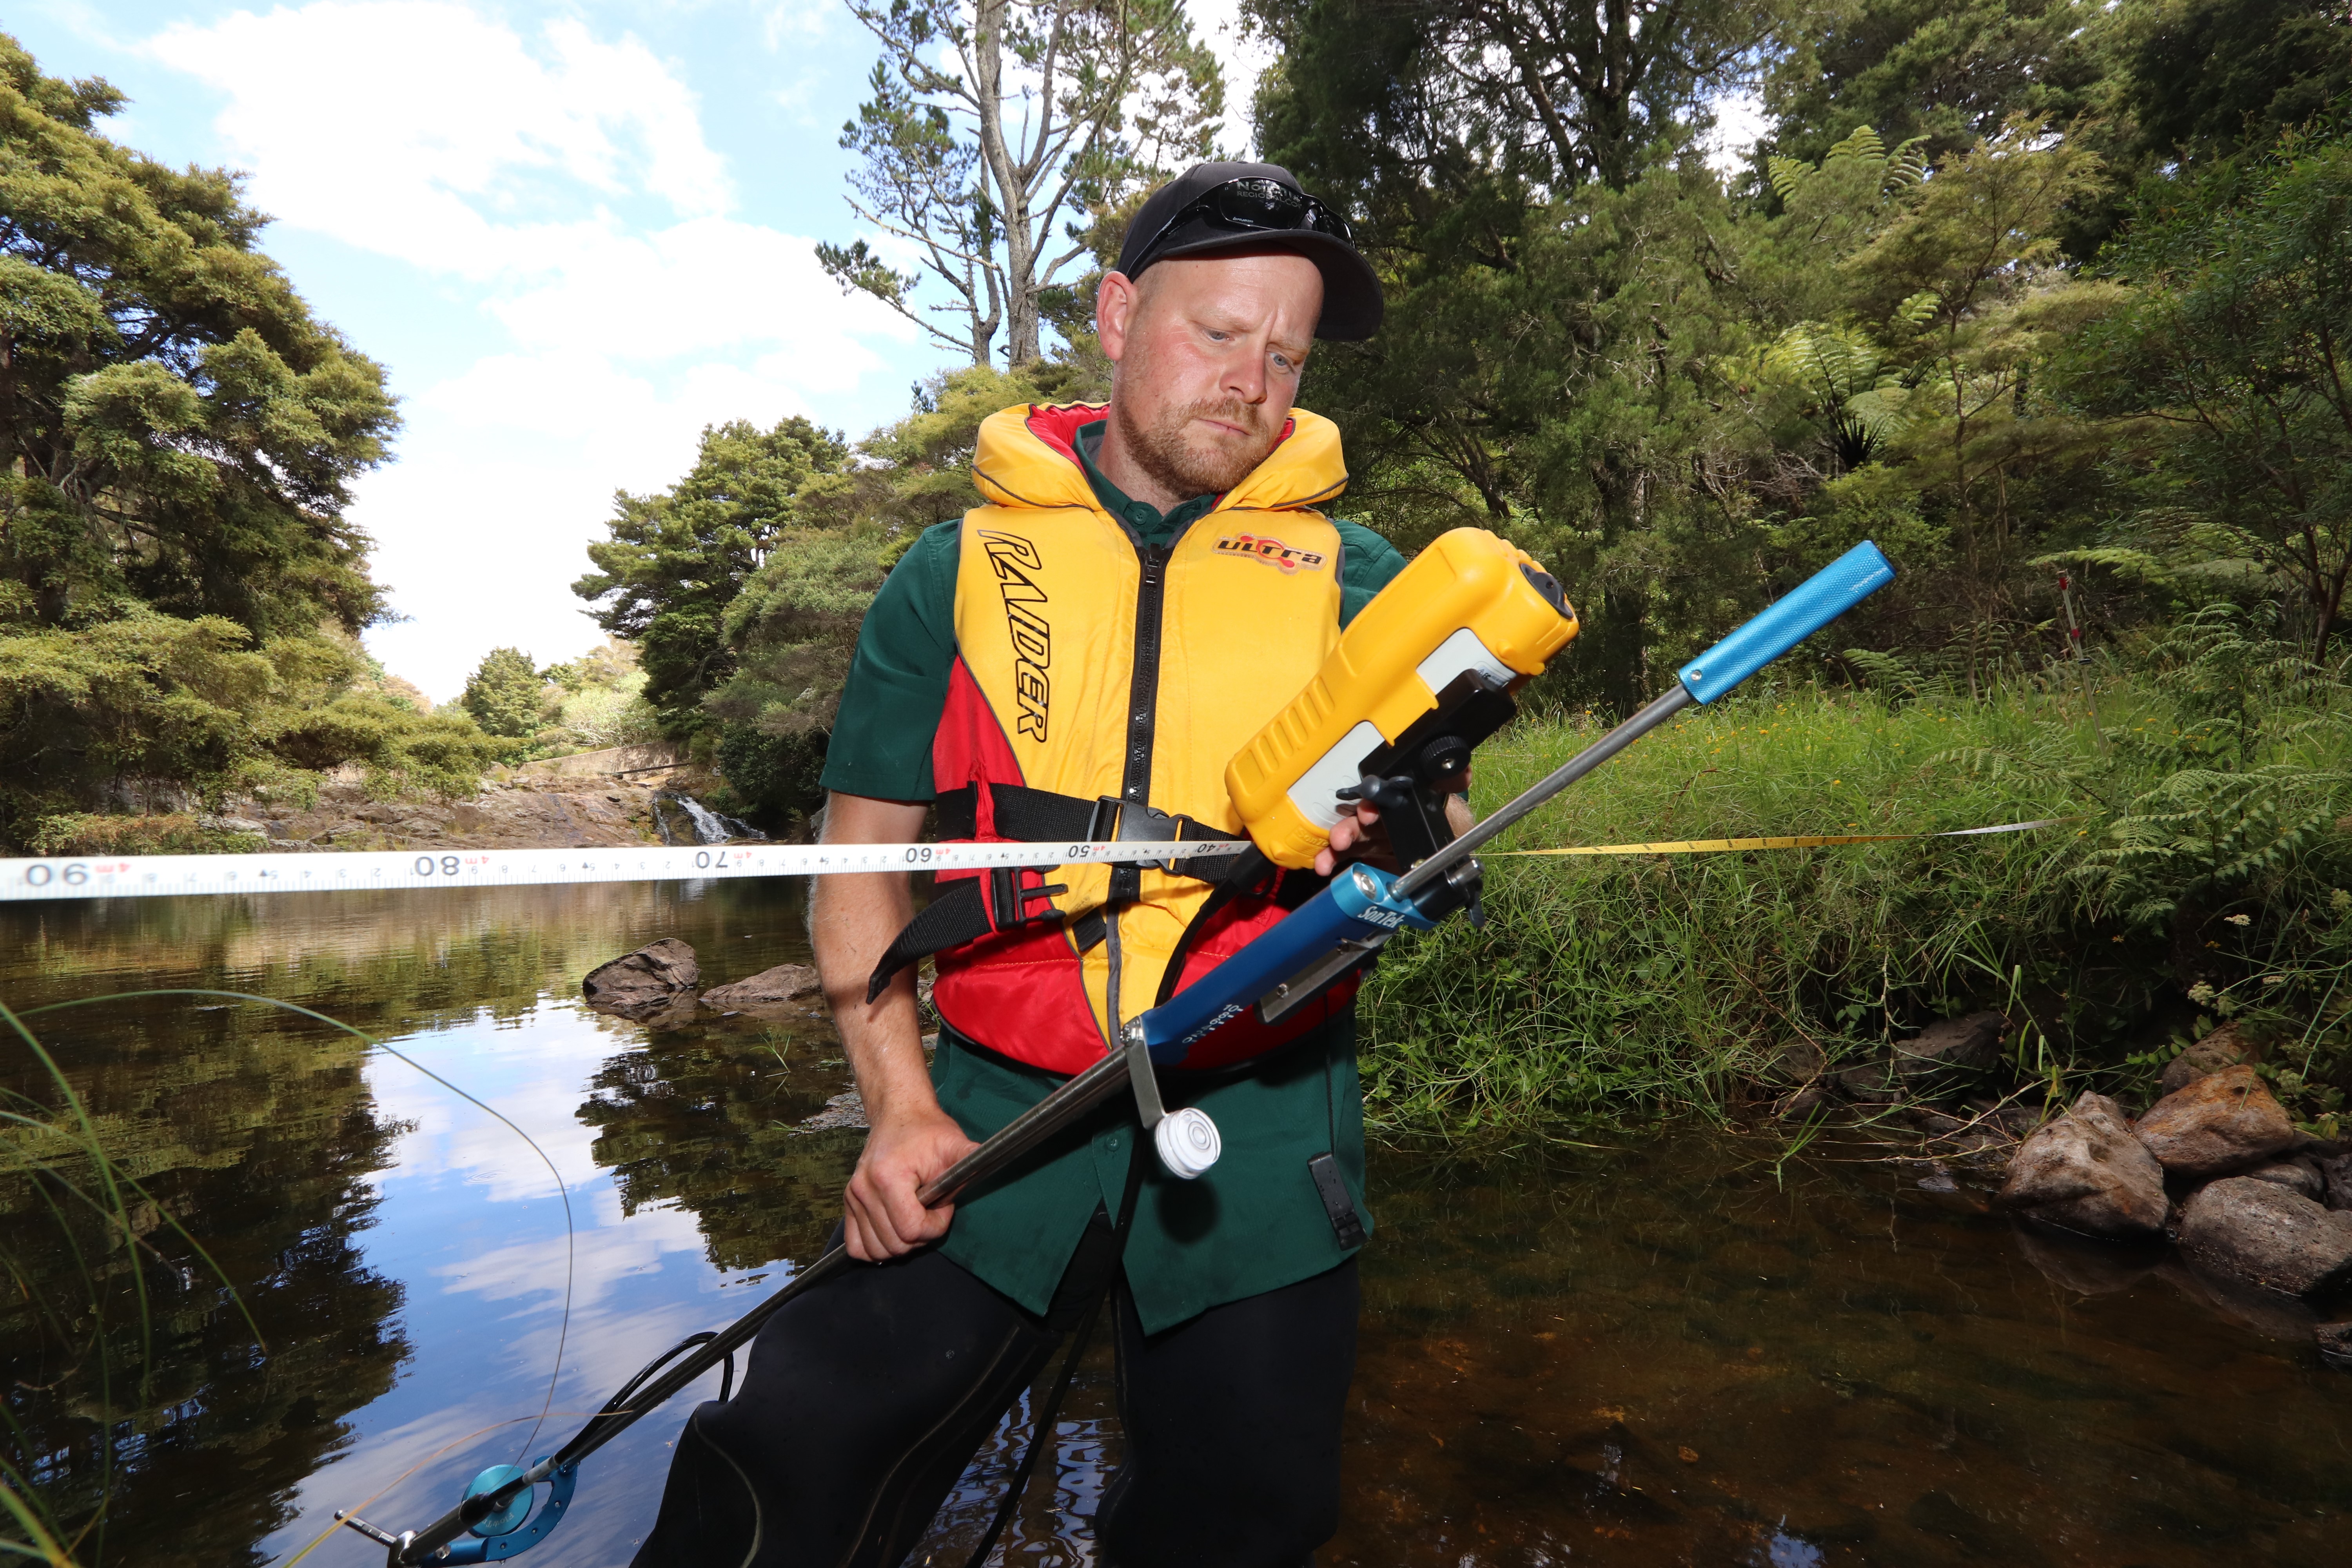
(1254, 1222)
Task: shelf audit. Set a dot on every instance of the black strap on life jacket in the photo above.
(1003, 897)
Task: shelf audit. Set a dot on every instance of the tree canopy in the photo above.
(180, 584)
(676, 559)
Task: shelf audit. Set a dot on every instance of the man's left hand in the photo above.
(1358, 836)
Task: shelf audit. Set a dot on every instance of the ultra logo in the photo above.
(1272, 551)
(1014, 558)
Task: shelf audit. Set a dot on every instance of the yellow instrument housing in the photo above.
(1470, 602)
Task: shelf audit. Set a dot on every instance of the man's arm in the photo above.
(911, 1139)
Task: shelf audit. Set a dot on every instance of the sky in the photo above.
(573, 234)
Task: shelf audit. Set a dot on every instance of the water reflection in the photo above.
(1652, 1354)
(405, 1256)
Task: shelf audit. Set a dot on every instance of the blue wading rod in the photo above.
(1320, 940)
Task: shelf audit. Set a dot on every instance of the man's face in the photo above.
(1208, 350)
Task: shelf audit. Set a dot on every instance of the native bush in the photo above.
(2199, 868)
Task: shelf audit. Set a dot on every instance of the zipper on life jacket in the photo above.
(1135, 772)
(1142, 705)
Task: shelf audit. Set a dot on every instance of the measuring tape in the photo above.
(177, 876)
(1789, 841)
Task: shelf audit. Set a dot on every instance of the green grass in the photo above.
(2203, 874)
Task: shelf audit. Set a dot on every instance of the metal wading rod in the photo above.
(1812, 605)
(1072, 1100)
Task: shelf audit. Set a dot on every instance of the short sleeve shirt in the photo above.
(1256, 1221)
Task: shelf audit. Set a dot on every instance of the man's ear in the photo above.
(1115, 307)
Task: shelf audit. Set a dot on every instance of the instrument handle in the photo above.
(1822, 598)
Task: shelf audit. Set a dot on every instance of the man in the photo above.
(1080, 658)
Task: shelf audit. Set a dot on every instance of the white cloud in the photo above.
(393, 125)
(560, 187)
(1740, 122)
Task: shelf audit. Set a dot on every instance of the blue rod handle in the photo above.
(1357, 904)
(1825, 595)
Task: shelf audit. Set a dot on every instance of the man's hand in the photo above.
(852, 921)
(1356, 836)
(885, 1218)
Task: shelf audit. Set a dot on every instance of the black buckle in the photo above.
(1009, 902)
(1117, 821)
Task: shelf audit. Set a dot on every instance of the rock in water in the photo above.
(2271, 1314)
(2262, 1232)
(2224, 1048)
(646, 982)
(2217, 1123)
(1946, 1055)
(2086, 1173)
(2084, 1266)
(2335, 1344)
(771, 991)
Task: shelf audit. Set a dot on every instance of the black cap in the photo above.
(1351, 295)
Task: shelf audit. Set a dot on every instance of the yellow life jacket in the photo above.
(1103, 684)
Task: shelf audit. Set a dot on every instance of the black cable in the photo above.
(726, 1379)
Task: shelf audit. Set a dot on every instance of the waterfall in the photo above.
(704, 825)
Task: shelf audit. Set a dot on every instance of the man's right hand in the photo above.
(884, 1219)
(911, 1141)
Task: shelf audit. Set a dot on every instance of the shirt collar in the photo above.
(1151, 525)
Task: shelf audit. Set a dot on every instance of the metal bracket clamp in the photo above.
(1187, 1140)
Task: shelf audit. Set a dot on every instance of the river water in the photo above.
(1679, 1350)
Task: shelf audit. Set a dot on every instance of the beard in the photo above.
(1189, 465)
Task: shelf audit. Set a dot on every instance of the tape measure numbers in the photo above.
(175, 876)
(179, 876)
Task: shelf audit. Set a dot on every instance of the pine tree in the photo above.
(506, 694)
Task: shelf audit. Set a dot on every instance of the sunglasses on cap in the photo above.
(1253, 203)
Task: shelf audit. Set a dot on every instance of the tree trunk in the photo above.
(1012, 190)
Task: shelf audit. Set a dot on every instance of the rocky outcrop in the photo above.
(2221, 1122)
(2335, 1344)
(2086, 1171)
(650, 981)
(1944, 1056)
(549, 814)
(784, 991)
(2260, 1231)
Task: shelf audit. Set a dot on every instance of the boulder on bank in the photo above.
(2086, 1171)
(2260, 1231)
(2217, 1123)
(1946, 1055)
(2224, 1048)
(2336, 1171)
(772, 992)
(2300, 1177)
(648, 980)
